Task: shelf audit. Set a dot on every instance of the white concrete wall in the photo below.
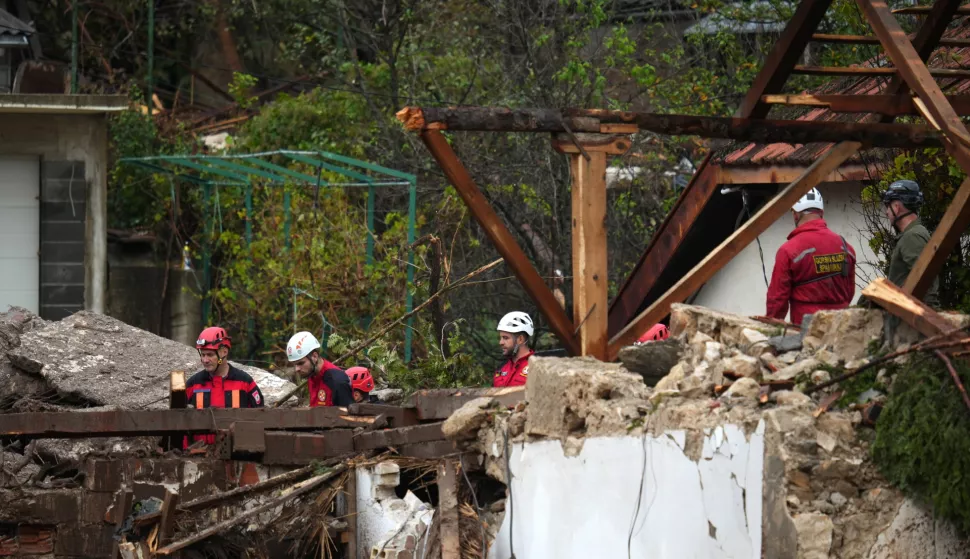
(589, 505)
(740, 288)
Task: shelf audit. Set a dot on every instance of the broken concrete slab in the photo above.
(686, 320)
(652, 360)
(103, 361)
(465, 423)
(848, 332)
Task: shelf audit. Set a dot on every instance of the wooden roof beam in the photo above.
(873, 40)
(951, 73)
(923, 10)
(894, 105)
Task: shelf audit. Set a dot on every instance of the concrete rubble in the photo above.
(723, 412)
(389, 527)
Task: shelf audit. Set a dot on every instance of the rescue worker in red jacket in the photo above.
(514, 331)
(329, 385)
(815, 269)
(219, 384)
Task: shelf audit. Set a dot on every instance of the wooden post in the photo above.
(734, 244)
(166, 527)
(448, 509)
(503, 240)
(351, 534)
(590, 281)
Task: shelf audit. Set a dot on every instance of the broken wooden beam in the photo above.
(397, 415)
(873, 40)
(128, 423)
(289, 494)
(910, 310)
(441, 403)
(166, 527)
(448, 509)
(291, 449)
(483, 119)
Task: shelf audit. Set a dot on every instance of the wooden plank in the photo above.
(590, 282)
(951, 73)
(942, 242)
(120, 512)
(398, 416)
(297, 449)
(924, 10)
(395, 437)
(500, 236)
(786, 52)
(912, 69)
(663, 245)
(448, 509)
(912, 311)
(350, 536)
(166, 527)
(785, 174)
(733, 245)
(436, 405)
(130, 423)
(176, 396)
(894, 105)
(872, 40)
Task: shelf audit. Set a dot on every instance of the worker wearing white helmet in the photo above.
(814, 269)
(329, 385)
(514, 332)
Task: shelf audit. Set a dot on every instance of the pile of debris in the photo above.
(738, 397)
(87, 361)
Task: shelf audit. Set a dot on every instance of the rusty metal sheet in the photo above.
(127, 423)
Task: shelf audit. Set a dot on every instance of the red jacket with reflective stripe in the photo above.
(236, 390)
(513, 373)
(814, 270)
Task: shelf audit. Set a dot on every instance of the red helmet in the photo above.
(213, 338)
(360, 379)
(655, 334)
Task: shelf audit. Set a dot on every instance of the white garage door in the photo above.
(19, 232)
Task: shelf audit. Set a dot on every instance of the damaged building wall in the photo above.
(640, 495)
(71, 151)
(725, 457)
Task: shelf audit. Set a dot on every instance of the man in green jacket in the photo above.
(902, 201)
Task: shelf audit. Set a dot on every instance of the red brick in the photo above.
(85, 541)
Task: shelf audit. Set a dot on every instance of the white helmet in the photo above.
(811, 200)
(516, 322)
(300, 345)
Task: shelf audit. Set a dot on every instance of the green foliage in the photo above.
(923, 438)
(939, 178)
(241, 88)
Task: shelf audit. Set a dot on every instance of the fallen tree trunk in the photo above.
(490, 119)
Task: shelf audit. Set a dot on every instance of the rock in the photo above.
(869, 395)
(782, 344)
(742, 365)
(837, 469)
(838, 499)
(788, 358)
(811, 343)
(14, 323)
(743, 388)
(696, 385)
(465, 422)
(803, 367)
(652, 360)
(751, 337)
(814, 535)
(102, 361)
(791, 398)
(581, 396)
(686, 320)
(915, 533)
(388, 395)
(828, 358)
(826, 441)
(771, 362)
(847, 332)
(677, 373)
(839, 425)
(820, 376)
(712, 351)
(856, 363)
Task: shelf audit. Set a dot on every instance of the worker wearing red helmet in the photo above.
(514, 331)
(815, 269)
(656, 333)
(219, 384)
(361, 382)
(329, 385)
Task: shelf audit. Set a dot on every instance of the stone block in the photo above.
(848, 332)
(652, 360)
(686, 320)
(465, 422)
(814, 535)
(382, 468)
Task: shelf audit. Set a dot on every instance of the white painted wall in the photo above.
(740, 288)
(589, 506)
(20, 232)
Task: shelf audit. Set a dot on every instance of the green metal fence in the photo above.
(241, 170)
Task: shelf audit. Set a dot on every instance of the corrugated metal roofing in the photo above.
(10, 25)
(741, 154)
